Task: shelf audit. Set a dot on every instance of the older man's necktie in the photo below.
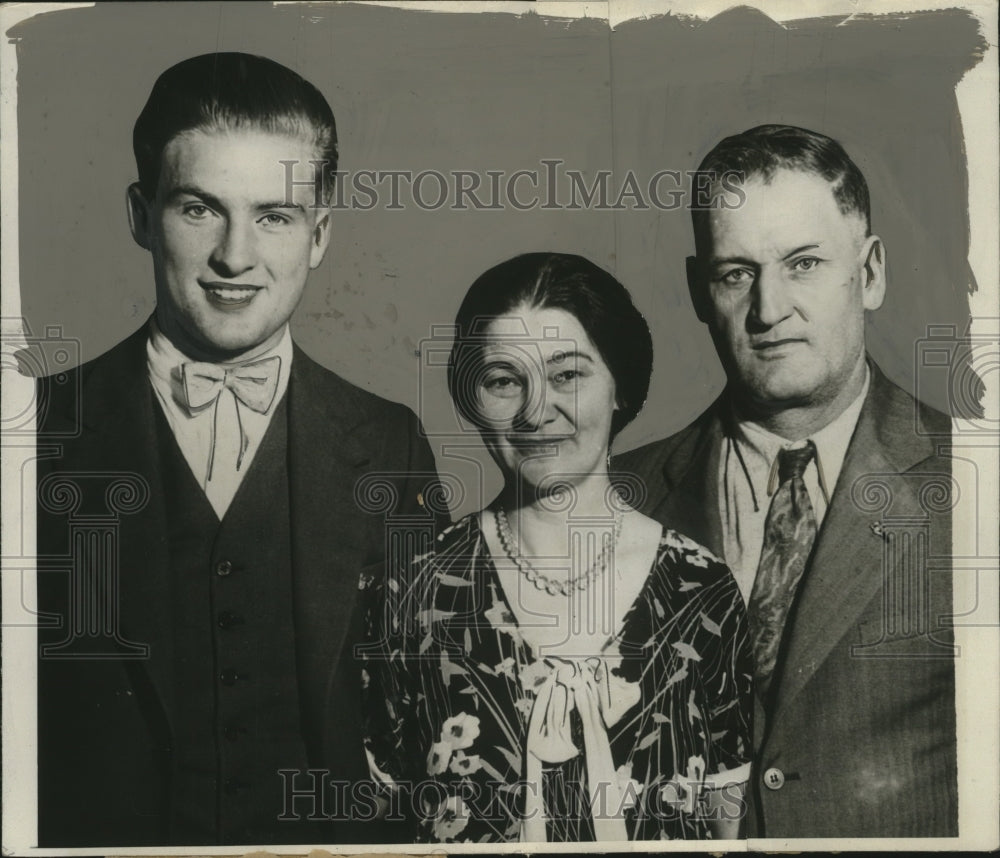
(789, 534)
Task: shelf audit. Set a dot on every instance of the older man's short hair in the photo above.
(762, 151)
(232, 91)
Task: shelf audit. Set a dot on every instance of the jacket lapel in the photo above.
(691, 504)
(325, 460)
(846, 570)
(118, 435)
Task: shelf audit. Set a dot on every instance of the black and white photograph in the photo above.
(500, 426)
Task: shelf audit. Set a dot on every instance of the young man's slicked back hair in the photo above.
(761, 151)
(232, 91)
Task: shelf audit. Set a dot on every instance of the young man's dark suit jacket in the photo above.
(105, 724)
(863, 738)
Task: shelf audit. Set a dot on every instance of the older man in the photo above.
(198, 685)
(800, 476)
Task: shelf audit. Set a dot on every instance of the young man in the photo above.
(199, 660)
(804, 475)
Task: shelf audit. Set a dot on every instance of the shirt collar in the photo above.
(164, 361)
(760, 448)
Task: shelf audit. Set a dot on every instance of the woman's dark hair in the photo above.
(227, 91)
(559, 281)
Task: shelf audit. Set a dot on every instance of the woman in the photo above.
(560, 667)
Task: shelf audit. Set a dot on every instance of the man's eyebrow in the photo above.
(282, 204)
(216, 203)
(715, 261)
(800, 249)
(195, 191)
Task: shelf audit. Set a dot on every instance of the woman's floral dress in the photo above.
(490, 743)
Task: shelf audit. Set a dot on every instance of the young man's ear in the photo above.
(320, 236)
(698, 288)
(139, 216)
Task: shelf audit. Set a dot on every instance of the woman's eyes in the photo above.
(564, 376)
(502, 385)
(509, 385)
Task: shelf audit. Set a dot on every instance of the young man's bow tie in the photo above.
(254, 384)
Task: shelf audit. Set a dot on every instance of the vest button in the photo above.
(223, 568)
(774, 779)
(232, 732)
(231, 786)
(227, 619)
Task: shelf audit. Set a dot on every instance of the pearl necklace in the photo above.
(543, 582)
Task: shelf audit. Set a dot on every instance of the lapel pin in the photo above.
(878, 529)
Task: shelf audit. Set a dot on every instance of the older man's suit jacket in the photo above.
(105, 724)
(859, 737)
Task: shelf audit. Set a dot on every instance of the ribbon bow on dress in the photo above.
(254, 384)
(601, 699)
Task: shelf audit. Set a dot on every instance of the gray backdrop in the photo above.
(419, 90)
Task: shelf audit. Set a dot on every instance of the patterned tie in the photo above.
(254, 384)
(789, 534)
